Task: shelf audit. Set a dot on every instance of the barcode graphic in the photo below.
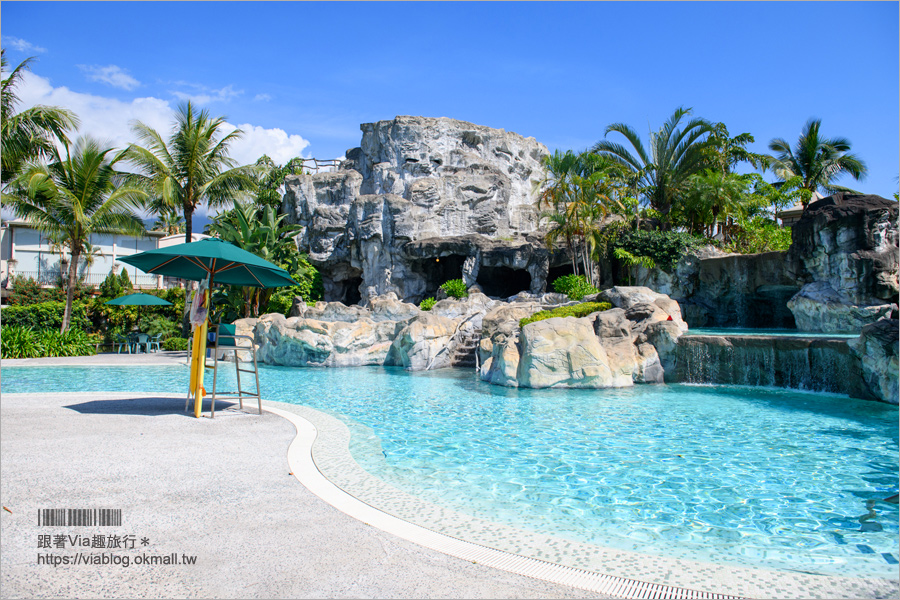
(79, 517)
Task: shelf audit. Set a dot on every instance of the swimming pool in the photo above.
(744, 476)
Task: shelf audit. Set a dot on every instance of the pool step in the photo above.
(464, 351)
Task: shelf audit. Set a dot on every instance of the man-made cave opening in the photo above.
(439, 270)
(556, 272)
(350, 294)
(503, 282)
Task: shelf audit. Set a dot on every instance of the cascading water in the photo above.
(814, 363)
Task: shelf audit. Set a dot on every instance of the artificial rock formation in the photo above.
(422, 201)
(877, 349)
(845, 249)
(632, 343)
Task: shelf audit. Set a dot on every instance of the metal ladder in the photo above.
(226, 332)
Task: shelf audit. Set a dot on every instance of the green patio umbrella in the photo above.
(139, 300)
(221, 261)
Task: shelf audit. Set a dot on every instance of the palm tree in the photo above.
(192, 166)
(675, 154)
(714, 197)
(816, 160)
(75, 196)
(577, 187)
(30, 134)
(267, 236)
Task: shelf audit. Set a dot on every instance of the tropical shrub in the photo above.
(281, 304)
(125, 281)
(455, 288)
(575, 310)
(575, 286)
(25, 342)
(25, 291)
(664, 248)
(18, 342)
(111, 286)
(760, 234)
(175, 343)
(427, 304)
(159, 325)
(45, 315)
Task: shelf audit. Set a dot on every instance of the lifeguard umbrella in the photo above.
(220, 262)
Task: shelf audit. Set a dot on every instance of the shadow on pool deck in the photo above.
(151, 406)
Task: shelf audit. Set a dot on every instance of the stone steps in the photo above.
(464, 353)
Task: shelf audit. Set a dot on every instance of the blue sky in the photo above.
(301, 77)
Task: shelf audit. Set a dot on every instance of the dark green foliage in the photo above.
(25, 342)
(664, 248)
(455, 288)
(160, 325)
(18, 342)
(760, 235)
(45, 315)
(111, 286)
(175, 343)
(427, 304)
(281, 304)
(575, 310)
(575, 286)
(310, 288)
(125, 281)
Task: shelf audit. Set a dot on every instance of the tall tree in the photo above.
(192, 166)
(32, 133)
(577, 188)
(675, 154)
(723, 152)
(817, 160)
(76, 195)
(267, 236)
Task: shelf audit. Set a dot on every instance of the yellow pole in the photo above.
(198, 362)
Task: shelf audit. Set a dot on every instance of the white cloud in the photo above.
(109, 120)
(112, 75)
(200, 94)
(262, 97)
(22, 46)
(275, 143)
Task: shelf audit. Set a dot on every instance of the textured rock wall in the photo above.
(632, 343)
(846, 250)
(840, 273)
(415, 179)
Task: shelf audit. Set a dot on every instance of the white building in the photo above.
(26, 251)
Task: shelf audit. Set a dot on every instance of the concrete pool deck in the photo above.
(218, 489)
(228, 497)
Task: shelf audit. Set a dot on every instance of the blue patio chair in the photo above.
(141, 339)
(121, 342)
(154, 341)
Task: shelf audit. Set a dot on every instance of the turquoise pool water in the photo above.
(745, 476)
(770, 332)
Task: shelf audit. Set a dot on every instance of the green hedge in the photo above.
(178, 343)
(25, 342)
(575, 310)
(427, 304)
(45, 315)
